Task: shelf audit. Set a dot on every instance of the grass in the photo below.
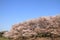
(2, 38)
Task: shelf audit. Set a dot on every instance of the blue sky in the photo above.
(15, 11)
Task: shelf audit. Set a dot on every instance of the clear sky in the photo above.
(15, 11)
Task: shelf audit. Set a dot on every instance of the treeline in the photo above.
(1, 33)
